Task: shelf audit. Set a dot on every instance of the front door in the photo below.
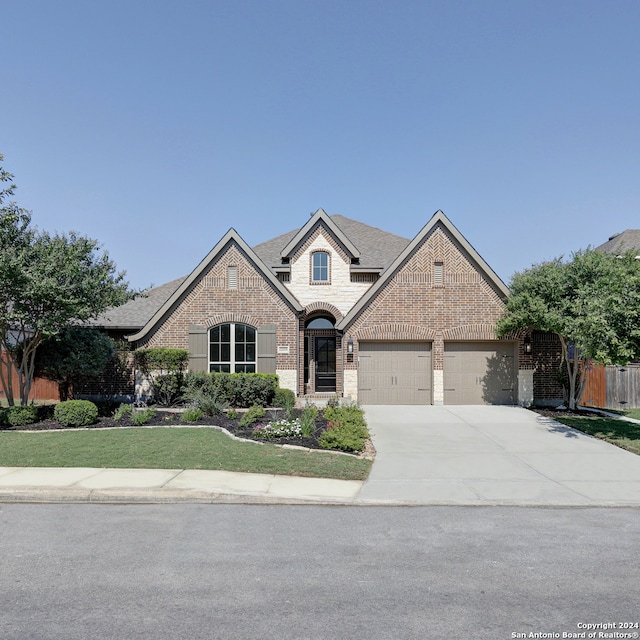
(325, 352)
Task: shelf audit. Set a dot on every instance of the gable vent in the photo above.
(232, 277)
(438, 274)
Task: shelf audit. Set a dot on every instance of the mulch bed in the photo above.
(563, 413)
(170, 418)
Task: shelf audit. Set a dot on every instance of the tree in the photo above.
(47, 282)
(591, 302)
(76, 353)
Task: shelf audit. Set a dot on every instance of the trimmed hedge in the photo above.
(76, 413)
(19, 416)
(235, 389)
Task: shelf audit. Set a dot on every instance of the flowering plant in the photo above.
(279, 429)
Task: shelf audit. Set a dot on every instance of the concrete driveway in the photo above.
(492, 455)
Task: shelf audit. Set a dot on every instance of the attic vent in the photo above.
(232, 277)
(438, 274)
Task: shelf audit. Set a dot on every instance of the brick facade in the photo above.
(211, 302)
(436, 290)
(412, 307)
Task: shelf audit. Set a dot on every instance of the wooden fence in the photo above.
(41, 389)
(612, 387)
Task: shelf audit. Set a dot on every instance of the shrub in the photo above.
(191, 415)
(143, 416)
(235, 389)
(162, 359)
(211, 404)
(167, 388)
(76, 413)
(232, 413)
(164, 367)
(345, 436)
(284, 398)
(308, 420)
(123, 411)
(21, 416)
(252, 415)
(347, 429)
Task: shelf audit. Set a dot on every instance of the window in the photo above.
(320, 266)
(232, 348)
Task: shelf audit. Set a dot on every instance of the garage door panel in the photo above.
(480, 373)
(394, 373)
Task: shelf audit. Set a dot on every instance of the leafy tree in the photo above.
(46, 283)
(591, 302)
(76, 353)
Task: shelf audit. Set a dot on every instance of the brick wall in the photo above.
(210, 302)
(412, 307)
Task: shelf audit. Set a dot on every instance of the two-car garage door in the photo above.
(402, 373)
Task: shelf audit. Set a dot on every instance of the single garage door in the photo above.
(394, 373)
(480, 373)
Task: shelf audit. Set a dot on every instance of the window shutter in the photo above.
(198, 348)
(267, 348)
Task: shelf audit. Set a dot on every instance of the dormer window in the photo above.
(320, 267)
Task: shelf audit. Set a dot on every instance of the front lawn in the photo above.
(623, 434)
(170, 448)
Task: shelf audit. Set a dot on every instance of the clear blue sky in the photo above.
(155, 126)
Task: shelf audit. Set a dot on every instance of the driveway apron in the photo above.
(492, 455)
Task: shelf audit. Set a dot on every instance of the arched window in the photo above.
(319, 323)
(232, 348)
(320, 266)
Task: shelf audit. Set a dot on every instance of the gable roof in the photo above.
(620, 243)
(438, 218)
(136, 313)
(317, 219)
(376, 248)
(232, 236)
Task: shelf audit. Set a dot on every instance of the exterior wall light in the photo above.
(350, 347)
(528, 347)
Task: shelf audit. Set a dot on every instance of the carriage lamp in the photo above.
(350, 347)
(528, 347)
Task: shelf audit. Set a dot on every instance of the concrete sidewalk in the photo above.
(39, 484)
(454, 455)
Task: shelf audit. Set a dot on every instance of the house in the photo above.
(620, 243)
(338, 307)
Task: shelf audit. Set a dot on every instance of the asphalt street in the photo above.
(315, 572)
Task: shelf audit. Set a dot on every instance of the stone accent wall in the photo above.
(288, 379)
(525, 387)
(340, 290)
(210, 302)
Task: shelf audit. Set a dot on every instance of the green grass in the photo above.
(632, 413)
(619, 432)
(166, 448)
